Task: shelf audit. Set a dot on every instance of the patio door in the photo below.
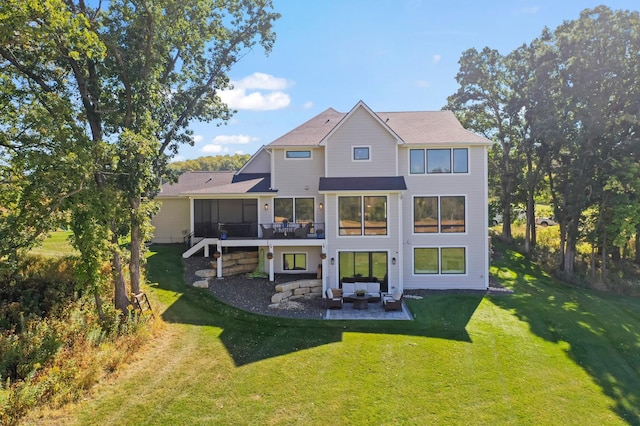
(354, 264)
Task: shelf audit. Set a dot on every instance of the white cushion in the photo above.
(348, 288)
(397, 294)
(329, 293)
(373, 288)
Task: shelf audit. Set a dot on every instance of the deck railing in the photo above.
(265, 230)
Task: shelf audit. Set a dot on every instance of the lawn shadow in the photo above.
(602, 331)
(250, 337)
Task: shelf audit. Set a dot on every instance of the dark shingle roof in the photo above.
(413, 127)
(217, 183)
(369, 183)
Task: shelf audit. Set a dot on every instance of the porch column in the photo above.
(271, 277)
(219, 261)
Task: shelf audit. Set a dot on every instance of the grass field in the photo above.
(56, 244)
(546, 355)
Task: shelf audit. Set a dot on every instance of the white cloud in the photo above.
(423, 83)
(436, 58)
(197, 138)
(214, 149)
(258, 92)
(235, 139)
(177, 158)
(307, 105)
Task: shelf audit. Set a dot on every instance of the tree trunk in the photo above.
(136, 248)
(121, 297)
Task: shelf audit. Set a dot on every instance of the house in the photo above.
(397, 196)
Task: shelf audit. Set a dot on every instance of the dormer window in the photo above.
(361, 153)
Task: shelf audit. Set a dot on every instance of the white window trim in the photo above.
(310, 157)
(337, 228)
(353, 153)
(297, 271)
(426, 162)
(439, 196)
(294, 198)
(439, 248)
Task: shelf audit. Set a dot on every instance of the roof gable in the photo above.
(360, 105)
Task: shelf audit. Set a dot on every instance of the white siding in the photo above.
(361, 130)
(473, 187)
(172, 221)
(260, 163)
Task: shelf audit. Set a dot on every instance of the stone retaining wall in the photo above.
(237, 263)
(291, 291)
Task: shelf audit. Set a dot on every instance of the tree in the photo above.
(485, 103)
(95, 101)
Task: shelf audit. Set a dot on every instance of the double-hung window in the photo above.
(362, 215)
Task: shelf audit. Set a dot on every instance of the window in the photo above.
(294, 262)
(352, 210)
(361, 153)
(298, 154)
(445, 214)
(439, 161)
(299, 210)
(443, 260)
(363, 264)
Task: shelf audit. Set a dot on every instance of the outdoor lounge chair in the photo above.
(333, 300)
(302, 231)
(392, 302)
(266, 232)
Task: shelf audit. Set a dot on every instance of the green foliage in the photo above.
(211, 163)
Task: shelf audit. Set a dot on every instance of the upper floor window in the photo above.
(435, 214)
(433, 161)
(298, 154)
(361, 153)
(293, 210)
(362, 215)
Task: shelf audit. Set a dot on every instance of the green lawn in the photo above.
(56, 244)
(546, 355)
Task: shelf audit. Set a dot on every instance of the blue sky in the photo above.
(395, 55)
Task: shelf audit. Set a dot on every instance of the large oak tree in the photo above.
(94, 99)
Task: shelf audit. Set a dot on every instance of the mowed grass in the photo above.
(56, 244)
(546, 355)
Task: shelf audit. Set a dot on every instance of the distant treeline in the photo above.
(212, 163)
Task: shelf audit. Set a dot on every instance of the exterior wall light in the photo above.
(266, 206)
(321, 206)
(333, 261)
(393, 260)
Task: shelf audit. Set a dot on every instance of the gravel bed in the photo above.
(254, 294)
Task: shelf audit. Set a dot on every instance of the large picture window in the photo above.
(362, 215)
(439, 260)
(435, 214)
(299, 210)
(363, 264)
(434, 161)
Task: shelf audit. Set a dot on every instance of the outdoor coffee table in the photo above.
(361, 302)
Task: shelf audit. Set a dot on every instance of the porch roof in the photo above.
(204, 183)
(367, 183)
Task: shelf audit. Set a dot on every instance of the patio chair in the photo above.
(266, 232)
(302, 231)
(392, 302)
(333, 300)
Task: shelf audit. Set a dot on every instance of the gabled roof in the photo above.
(368, 183)
(201, 183)
(412, 127)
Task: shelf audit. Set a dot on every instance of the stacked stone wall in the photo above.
(294, 290)
(237, 263)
